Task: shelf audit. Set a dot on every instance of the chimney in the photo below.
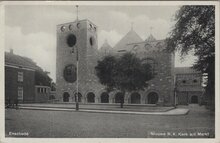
(11, 51)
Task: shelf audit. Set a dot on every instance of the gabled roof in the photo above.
(185, 70)
(130, 37)
(106, 46)
(150, 38)
(16, 60)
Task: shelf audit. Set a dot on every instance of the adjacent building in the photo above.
(188, 85)
(20, 80)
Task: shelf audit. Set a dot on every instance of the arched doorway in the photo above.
(90, 97)
(66, 97)
(79, 97)
(152, 98)
(135, 98)
(118, 97)
(194, 99)
(104, 97)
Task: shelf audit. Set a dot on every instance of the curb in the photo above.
(107, 111)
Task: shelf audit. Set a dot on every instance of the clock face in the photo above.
(71, 40)
(69, 73)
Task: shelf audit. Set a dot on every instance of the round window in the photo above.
(78, 25)
(71, 40)
(62, 28)
(90, 25)
(91, 41)
(69, 73)
(70, 27)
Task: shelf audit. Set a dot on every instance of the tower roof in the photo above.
(130, 37)
(150, 38)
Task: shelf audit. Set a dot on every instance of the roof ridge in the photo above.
(130, 35)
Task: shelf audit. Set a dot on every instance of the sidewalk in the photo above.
(114, 109)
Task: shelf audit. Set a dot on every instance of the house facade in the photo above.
(20, 80)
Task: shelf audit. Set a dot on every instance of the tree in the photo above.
(195, 30)
(125, 73)
(42, 78)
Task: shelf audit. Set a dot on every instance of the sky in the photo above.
(30, 30)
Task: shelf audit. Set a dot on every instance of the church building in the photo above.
(77, 47)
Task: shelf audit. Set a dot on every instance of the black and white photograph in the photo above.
(110, 70)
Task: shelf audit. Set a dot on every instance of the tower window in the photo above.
(71, 40)
(78, 25)
(63, 28)
(70, 27)
(90, 25)
(91, 41)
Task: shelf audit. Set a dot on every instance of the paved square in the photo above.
(198, 123)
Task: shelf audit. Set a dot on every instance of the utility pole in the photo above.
(77, 68)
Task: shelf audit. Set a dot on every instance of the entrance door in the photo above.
(194, 99)
(152, 98)
(90, 97)
(104, 97)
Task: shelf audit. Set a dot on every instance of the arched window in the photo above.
(152, 63)
(66, 97)
(152, 98)
(135, 49)
(159, 46)
(104, 97)
(79, 97)
(147, 46)
(90, 97)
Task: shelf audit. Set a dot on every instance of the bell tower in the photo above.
(76, 41)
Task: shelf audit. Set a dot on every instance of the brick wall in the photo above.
(12, 84)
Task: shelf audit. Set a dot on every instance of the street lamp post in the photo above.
(77, 79)
(77, 69)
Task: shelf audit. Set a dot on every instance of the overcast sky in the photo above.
(31, 30)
